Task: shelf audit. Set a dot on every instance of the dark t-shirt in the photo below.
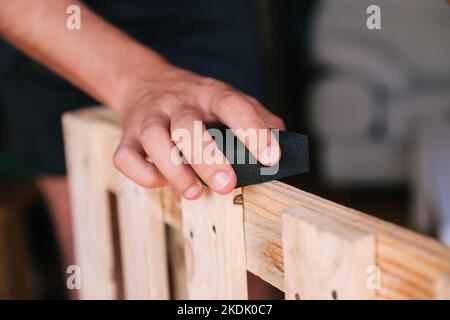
(216, 38)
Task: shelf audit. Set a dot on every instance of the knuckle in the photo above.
(231, 102)
(185, 183)
(186, 116)
(167, 98)
(279, 122)
(180, 178)
(208, 81)
(212, 86)
(253, 100)
(121, 157)
(152, 131)
(151, 180)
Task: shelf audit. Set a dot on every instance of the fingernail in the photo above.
(193, 190)
(270, 155)
(221, 180)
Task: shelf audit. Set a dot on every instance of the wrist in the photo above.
(136, 77)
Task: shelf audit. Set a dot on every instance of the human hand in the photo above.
(154, 109)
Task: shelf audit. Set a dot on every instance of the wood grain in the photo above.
(90, 172)
(177, 264)
(215, 247)
(325, 258)
(142, 232)
(412, 266)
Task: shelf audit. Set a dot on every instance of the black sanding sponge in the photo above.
(294, 159)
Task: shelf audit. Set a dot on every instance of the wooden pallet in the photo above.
(136, 243)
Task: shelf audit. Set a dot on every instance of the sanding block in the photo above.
(294, 159)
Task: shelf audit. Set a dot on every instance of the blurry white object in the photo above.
(360, 57)
(405, 112)
(415, 32)
(431, 176)
(387, 92)
(347, 161)
(380, 84)
(334, 100)
(444, 234)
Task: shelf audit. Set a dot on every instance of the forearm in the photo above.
(152, 98)
(99, 59)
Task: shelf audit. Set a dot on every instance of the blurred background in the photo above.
(374, 102)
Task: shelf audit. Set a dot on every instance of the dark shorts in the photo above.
(213, 38)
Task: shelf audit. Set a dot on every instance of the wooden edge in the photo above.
(143, 242)
(325, 258)
(443, 288)
(87, 175)
(417, 261)
(177, 264)
(213, 229)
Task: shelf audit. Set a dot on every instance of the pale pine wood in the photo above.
(170, 202)
(143, 242)
(141, 217)
(177, 262)
(443, 289)
(325, 258)
(412, 265)
(215, 247)
(171, 206)
(90, 171)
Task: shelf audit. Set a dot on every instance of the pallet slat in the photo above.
(412, 266)
(143, 242)
(215, 247)
(325, 258)
(89, 177)
(423, 256)
(443, 288)
(177, 264)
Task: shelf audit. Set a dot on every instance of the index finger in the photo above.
(240, 115)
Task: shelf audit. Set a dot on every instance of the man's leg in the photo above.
(56, 194)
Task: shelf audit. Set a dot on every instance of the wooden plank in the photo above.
(177, 264)
(411, 264)
(262, 222)
(419, 259)
(443, 288)
(143, 242)
(325, 258)
(215, 247)
(170, 202)
(89, 166)
(171, 206)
